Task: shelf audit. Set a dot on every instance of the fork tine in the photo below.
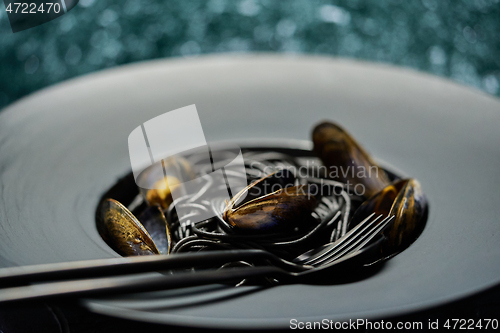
(343, 240)
(356, 236)
(379, 228)
(361, 242)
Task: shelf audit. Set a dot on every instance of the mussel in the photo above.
(404, 200)
(346, 160)
(126, 234)
(161, 195)
(281, 210)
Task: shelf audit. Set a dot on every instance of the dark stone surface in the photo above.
(454, 39)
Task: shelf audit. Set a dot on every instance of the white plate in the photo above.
(63, 147)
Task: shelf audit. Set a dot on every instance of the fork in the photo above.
(347, 252)
(352, 241)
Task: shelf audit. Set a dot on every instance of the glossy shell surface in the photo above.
(346, 160)
(123, 231)
(280, 210)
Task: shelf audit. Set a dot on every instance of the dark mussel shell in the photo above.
(155, 223)
(404, 200)
(410, 208)
(346, 160)
(269, 184)
(122, 231)
(278, 211)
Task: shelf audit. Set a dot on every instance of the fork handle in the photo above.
(15, 276)
(140, 283)
(120, 285)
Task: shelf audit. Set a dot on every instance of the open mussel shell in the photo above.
(410, 209)
(122, 230)
(404, 200)
(155, 223)
(346, 160)
(278, 211)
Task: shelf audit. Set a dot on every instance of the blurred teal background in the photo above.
(455, 39)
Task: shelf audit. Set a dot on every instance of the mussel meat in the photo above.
(346, 160)
(282, 209)
(161, 195)
(158, 190)
(404, 200)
